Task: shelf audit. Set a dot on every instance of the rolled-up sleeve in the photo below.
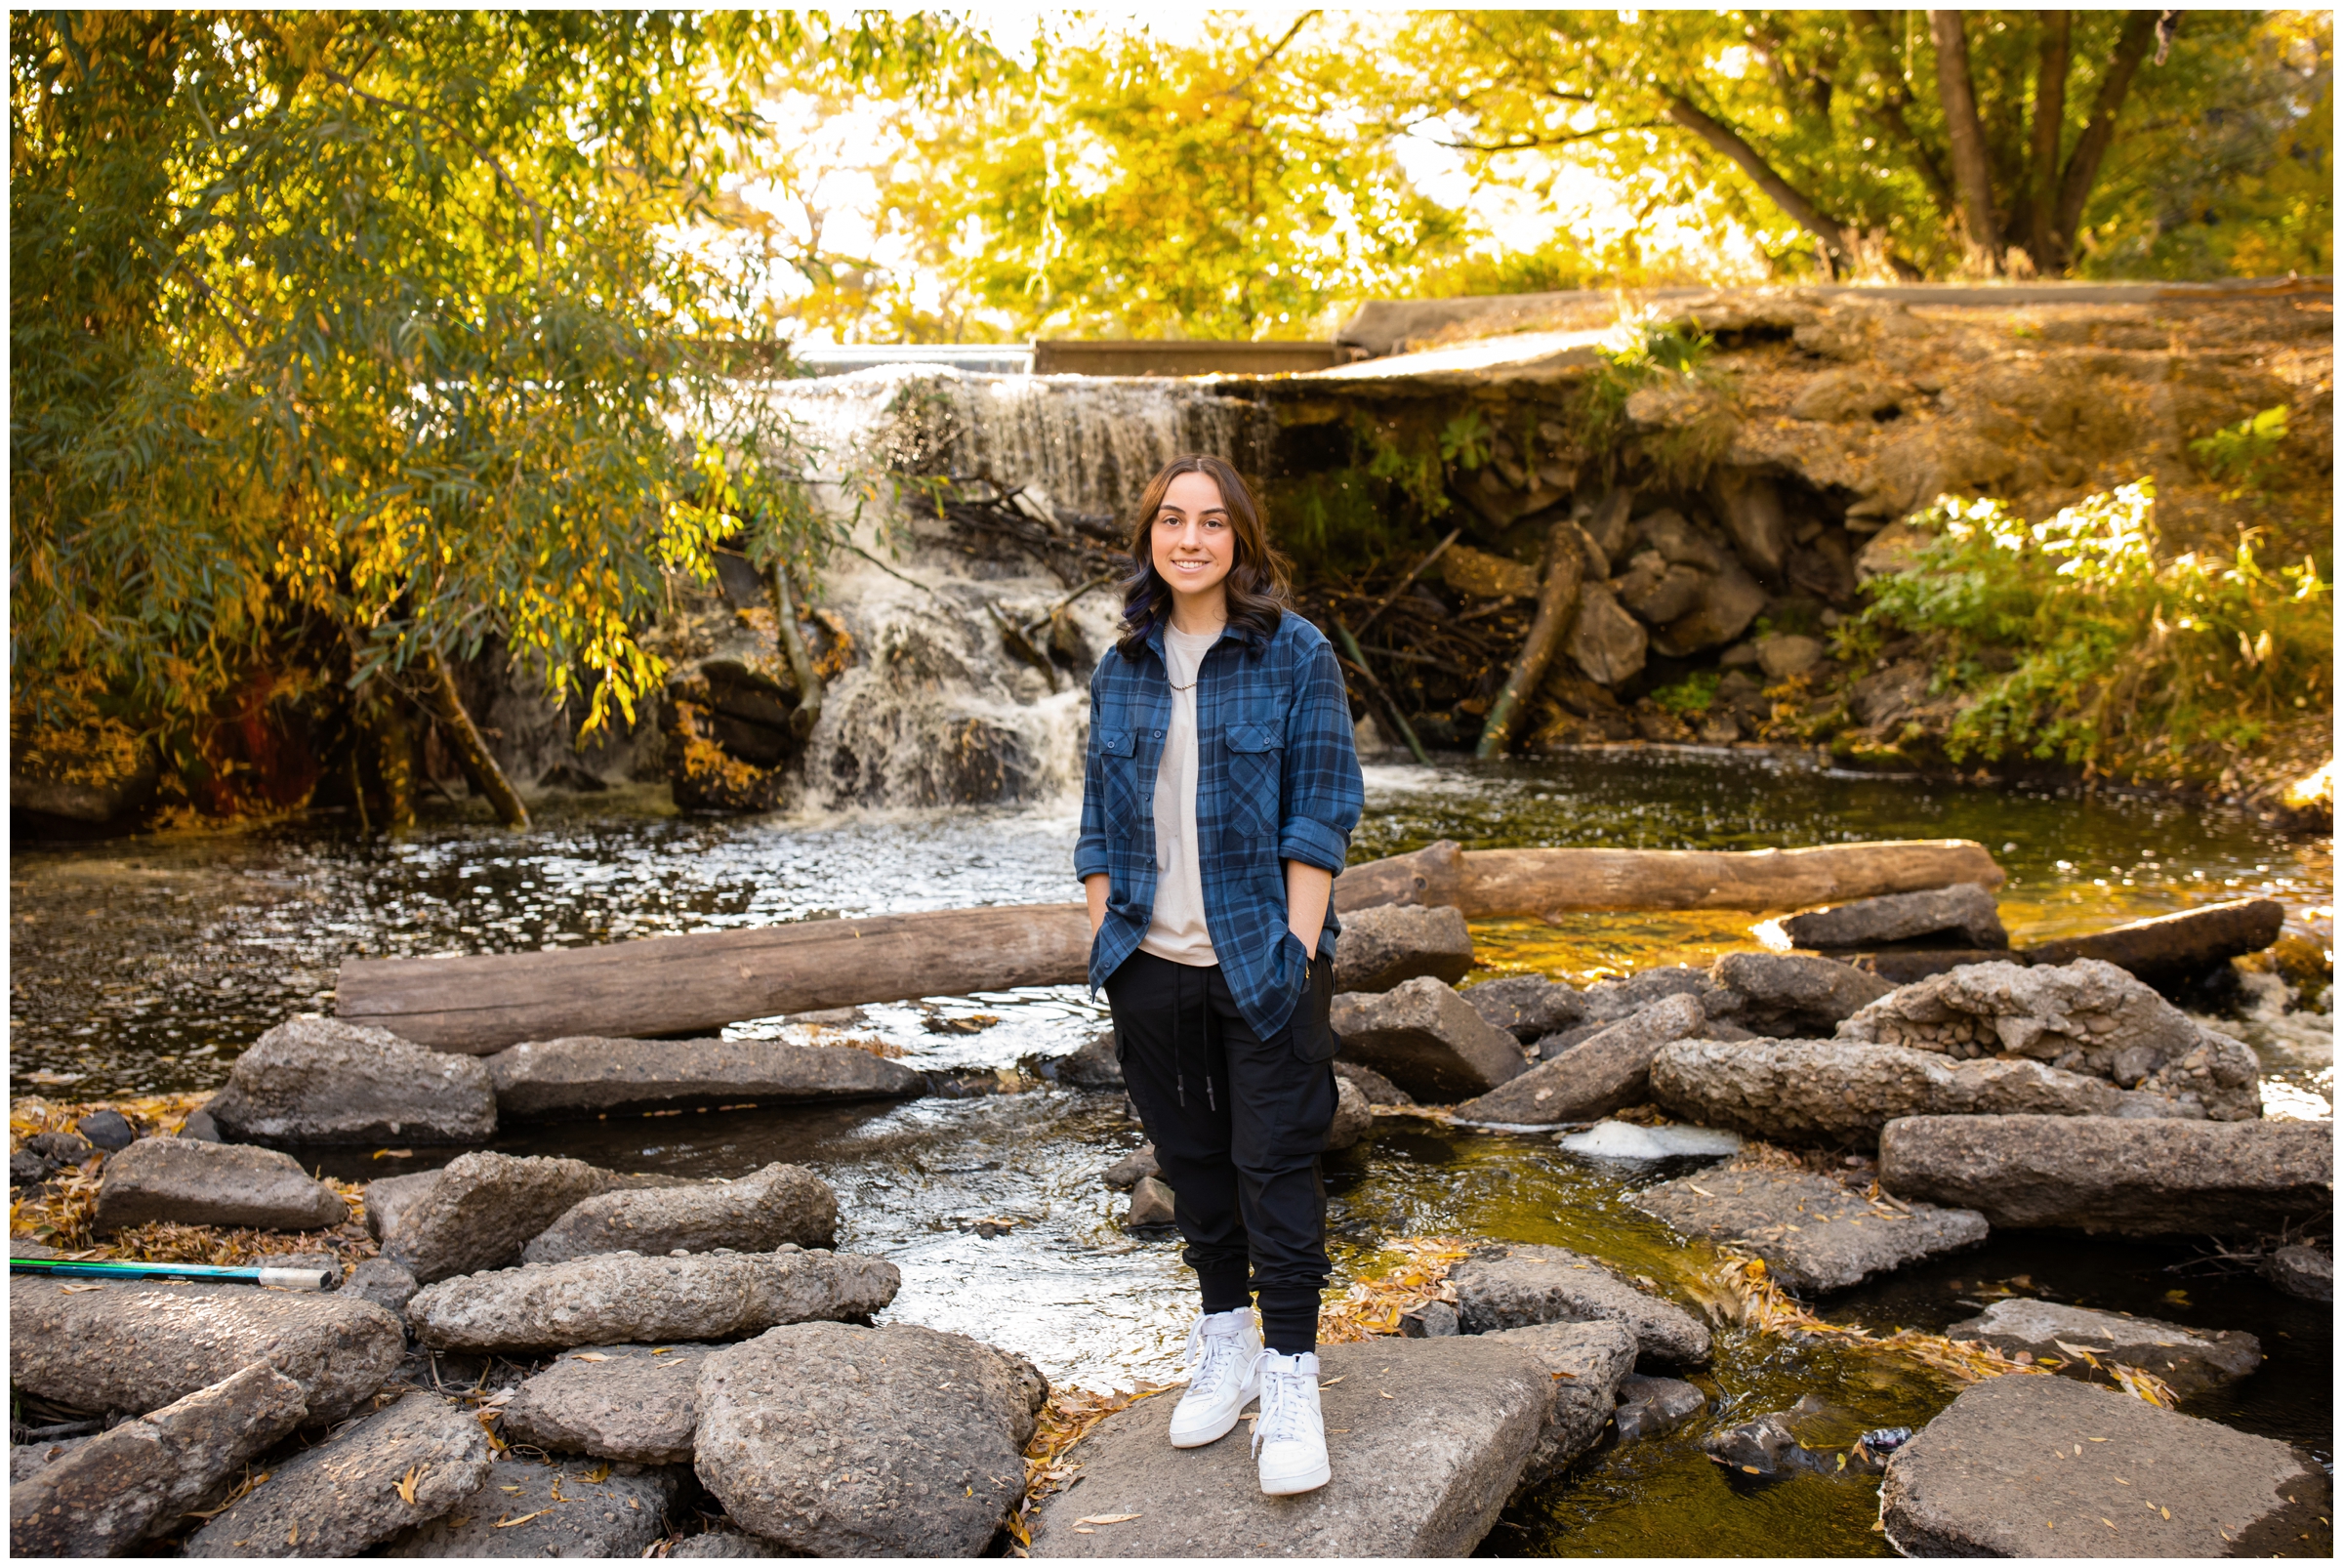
(1089, 845)
(1323, 793)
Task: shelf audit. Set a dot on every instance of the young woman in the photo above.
(1218, 797)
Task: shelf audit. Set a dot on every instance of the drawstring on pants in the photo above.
(1180, 1042)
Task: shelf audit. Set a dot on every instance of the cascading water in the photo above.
(935, 708)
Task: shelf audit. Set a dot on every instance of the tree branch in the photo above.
(1972, 168)
(2049, 126)
(2082, 166)
(1836, 238)
(1524, 143)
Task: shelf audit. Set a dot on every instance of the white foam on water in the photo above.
(1624, 1141)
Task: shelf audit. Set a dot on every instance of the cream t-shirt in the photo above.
(1178, 929)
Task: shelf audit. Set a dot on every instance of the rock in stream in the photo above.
(833, 1440)
(780, 1205)
(316, 1081)
(1815, 1233)
(622, 1297)
(232, 1185)
(1510, 1286)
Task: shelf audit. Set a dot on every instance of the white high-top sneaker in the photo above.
(1289, 1437)
(1222, 1348)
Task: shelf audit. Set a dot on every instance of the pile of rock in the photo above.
(680, 1317)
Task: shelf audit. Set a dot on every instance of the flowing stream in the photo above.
(145, 965)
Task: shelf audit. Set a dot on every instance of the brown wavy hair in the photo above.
(1258, 585)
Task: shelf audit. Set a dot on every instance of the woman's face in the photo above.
(1193, 543)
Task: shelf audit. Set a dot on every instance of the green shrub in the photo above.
(2070, 640)
(1692, 696)
(2244, 454)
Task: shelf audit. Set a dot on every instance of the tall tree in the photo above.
(390, 325)
(1925, 143)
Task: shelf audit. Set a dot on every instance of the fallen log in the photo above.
(1497, 884)
(695, 985)
(1557, 608)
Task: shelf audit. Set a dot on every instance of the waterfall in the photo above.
(1088, 443)
(934, 710)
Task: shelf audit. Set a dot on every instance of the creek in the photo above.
(145, 965)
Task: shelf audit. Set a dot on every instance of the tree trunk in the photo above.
(1891, 114)
(447, 707)
(2082, 166)
(1837, 239)
(801, 662)
(702, 981)
(394, 762)
(1557, 607)
(1972, 167)
(1512, 883)
(676, 985)
(2049, 126)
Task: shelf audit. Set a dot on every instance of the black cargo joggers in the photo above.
(1238, 1123)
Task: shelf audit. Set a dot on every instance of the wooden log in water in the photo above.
(673, 985)
(1497, 884)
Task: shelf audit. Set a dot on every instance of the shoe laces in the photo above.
(1212, 1356)
(1284, 1404)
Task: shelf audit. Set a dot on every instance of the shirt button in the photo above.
(1159, 734)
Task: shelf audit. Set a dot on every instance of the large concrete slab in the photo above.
(2034, 1466)
(1421, 1473)
(2138, 1177)
(1814, 1233)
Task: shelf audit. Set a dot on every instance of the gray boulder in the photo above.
(139, 1478)
(137, 1347)
(1792, 996)
(2179, 947)
(2153, 1484)
(1526, 1006)
(1963, 915)
(1584, 1364)
(1421, 1473)
(182, 1181)
(1094, 1066)
(1388, 943)
(1505, 1285)
(1649, 1406)
(839, 1441)
(1815, 1234)
(1354, 1119)
(1606, 643)
(2191, 1360)
(620, 1298)
(1833, 1090)
(387, 1197)
(1126, 1173)
(2137, 1178)
(779, 1205)
(1151, 1203)
(345, 1495)
(384, 1283)
(27, 1459)
(571, 1507)
(1610, 1001)
(2304, 1271)
(725, 1543)
(1608, 1071)
(583, 1076)
(324, 1081)
(1428, 1040)
(1372, 1085)
(2083, 1017)
(483, 1209)
(635, 1403)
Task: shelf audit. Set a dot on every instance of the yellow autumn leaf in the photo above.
(506, 1524)
(1109, 1519)
(406, 1485)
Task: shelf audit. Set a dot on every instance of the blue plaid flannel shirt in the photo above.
(1277, 779)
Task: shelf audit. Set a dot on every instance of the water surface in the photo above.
(146, 964)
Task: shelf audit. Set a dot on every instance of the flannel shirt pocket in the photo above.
(1255, 777)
